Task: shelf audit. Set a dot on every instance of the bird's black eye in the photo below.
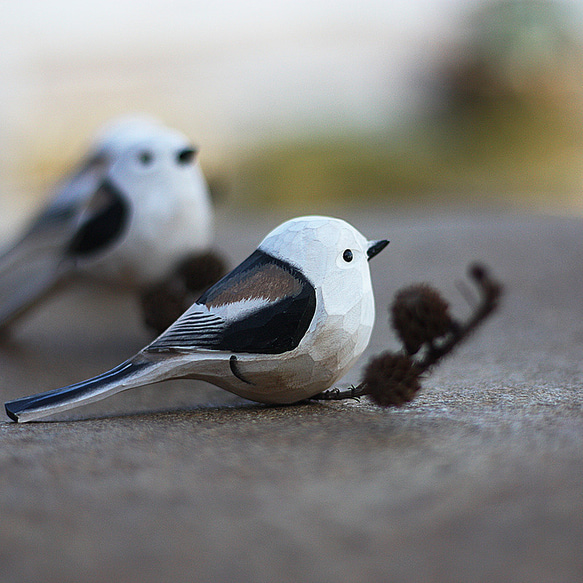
(146, 158)
(186, 156)
(347, 255)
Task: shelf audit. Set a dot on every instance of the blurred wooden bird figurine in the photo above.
(134, 208)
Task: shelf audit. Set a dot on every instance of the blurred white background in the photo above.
(230, 74)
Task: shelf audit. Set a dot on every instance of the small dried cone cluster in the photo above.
(163, 303)
(420, 316)
(391, 380)
(202, 271)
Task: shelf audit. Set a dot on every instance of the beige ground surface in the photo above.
(479, 479)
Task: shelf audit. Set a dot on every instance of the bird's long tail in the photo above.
(28, 272)
(131, 373)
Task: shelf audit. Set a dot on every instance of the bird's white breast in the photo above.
(169, 219)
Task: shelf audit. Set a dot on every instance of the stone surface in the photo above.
(478, 479)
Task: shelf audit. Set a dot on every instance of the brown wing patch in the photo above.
(277, 323)
(267, 281)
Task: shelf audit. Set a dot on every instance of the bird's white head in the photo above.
(332, 254)
(324, 249)
(147, 157)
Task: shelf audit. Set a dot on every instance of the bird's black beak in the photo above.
(187, 155)
(375, 247)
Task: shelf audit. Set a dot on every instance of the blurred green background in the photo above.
(303, 106)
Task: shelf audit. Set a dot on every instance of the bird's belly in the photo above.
(267, 378)
(313, 366)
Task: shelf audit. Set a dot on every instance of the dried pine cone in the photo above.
(162, 304)
(419, 315)
(391, 379)
(199, 272)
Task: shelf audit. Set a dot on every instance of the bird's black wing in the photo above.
(71, 225)
(264, 306)
(102, 223)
